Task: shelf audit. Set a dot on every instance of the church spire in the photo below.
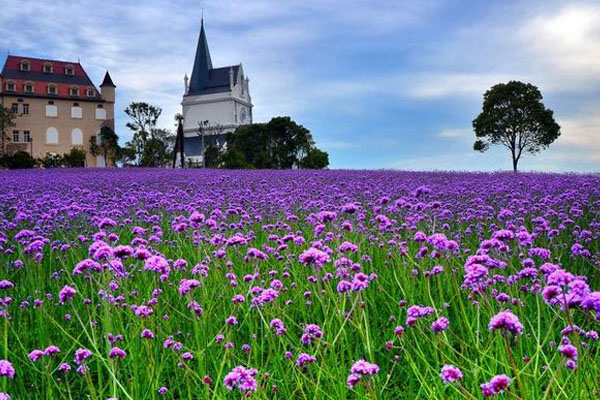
(202, 64)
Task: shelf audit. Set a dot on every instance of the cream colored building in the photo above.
(57, 107)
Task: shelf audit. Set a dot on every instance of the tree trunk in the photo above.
(515, 160)
(181, 150)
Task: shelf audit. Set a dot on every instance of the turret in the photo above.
(107, 88)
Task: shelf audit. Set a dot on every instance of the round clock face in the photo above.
(243, 114)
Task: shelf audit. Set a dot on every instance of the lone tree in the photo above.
(514, 116)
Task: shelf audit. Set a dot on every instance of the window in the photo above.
(69, 70)
(100, 113)
(91, 92)
(48, 68)
(16, 136)
(51, 89)
(28, 88)
(26, 136)
(10, 87)
(76, 112)
(51, 136)
(51, 110)
(25, 66)
(15, 108)
(74, 91)
(76, 137)
(25, 109)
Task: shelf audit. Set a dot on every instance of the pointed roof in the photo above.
(202, 64)
(107, 80)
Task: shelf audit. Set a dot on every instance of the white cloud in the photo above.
(580, 137)
(556, 48)
(436, 85)
(455, 133)
(567, 41)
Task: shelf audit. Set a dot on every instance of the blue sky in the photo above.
(380, 84)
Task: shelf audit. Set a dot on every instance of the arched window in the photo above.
(74, 91)
(48, 68)
(24, 65)
(52, 89)
(69, 70)
(76, 137)
(51, 136)
(10, 86)
(90, 92)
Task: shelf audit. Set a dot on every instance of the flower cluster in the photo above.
(497, 385)
(242, 379)
(359, 371)
(507, 322)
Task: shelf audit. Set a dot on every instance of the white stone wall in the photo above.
(224, 109)
(218, 111)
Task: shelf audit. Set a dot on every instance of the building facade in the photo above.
(57, 107)
(215, 99)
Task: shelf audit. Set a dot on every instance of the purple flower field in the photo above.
(198, 284)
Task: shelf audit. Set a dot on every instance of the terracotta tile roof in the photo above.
(11, 72)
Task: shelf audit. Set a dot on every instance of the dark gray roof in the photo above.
(40, 76)
(206, 79)
(107, 80)
(218, 80)
(202, 64)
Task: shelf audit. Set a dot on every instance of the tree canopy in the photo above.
(514, 116)
(152, 147)
(280, 143)
(106, 145)
(7, 121)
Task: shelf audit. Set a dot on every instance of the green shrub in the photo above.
(74, 159)
(18, 160)
(50, 160)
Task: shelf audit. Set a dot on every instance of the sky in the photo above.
(388, 84)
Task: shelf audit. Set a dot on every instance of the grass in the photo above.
(356, 325)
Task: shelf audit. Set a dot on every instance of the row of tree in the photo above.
(21, 159)
(278, 144)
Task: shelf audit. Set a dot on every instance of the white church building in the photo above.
(217, 99)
